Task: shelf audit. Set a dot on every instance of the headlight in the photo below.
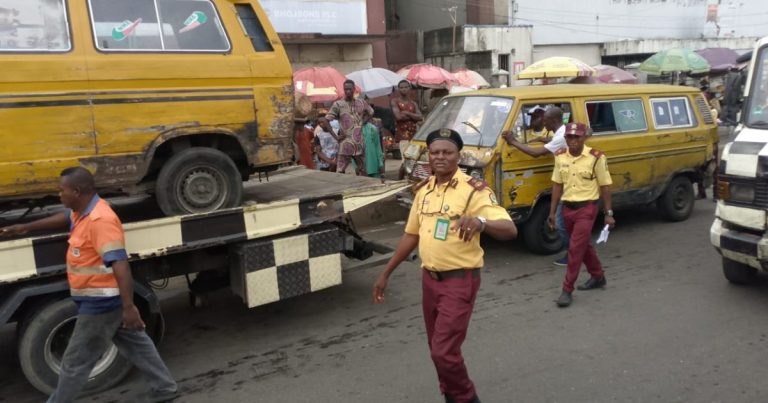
(741, 192)
(408, 164)
(476, 173)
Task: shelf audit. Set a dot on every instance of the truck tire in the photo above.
(536, 234)
(738, 273)
(676, 203)
(42, 342)
(198, 180)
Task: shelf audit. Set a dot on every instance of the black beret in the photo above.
(446, 134)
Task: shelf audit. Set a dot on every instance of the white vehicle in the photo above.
(739, 231)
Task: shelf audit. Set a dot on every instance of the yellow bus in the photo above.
(183, 99)
(659, 140)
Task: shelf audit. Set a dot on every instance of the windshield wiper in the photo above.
(759, 123)
(480, 140)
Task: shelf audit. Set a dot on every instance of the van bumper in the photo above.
(740, 246)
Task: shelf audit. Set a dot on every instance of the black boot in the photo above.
(564, 300)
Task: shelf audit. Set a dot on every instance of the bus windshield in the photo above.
(478, 119)
(757, 99)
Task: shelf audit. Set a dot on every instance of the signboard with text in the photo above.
(340, 17)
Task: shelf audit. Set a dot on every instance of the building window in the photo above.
(616, 116)
(34, 26)
(187, 25)
(671, 112)
(504, 62)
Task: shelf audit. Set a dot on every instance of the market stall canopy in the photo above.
(606, 74)
(556, 67)
(320, 84)
(675, 60)
(470, 79)
(720, 59)
(375, 82)
(428, 75)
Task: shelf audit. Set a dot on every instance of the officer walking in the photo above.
(450, 210)
(101, 285)
(580, 178)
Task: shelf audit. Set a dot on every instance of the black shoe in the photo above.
(593, 283)
(449, 399)
(564, 300)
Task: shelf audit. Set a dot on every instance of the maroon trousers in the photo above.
(579, 223)
(447, 306)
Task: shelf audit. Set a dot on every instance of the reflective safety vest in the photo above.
(96, 240)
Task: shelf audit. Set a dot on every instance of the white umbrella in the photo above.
(375, 82)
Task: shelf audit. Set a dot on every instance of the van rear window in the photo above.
(34, 26)
(157, 25)
(671, 112)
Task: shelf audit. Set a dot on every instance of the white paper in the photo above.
(604, 234)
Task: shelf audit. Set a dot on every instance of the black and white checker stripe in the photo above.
(743, 161)
(269, 270)
(43, 256)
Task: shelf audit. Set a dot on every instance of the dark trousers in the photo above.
(579, 223)
(447, 306)
(91, 338)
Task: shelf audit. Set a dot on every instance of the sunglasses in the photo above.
(572, 136)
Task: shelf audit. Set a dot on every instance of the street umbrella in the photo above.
(320, 84)
(720, 59)
(428, 75)
(375, 82)
(675, 60)
(605, 74)
(470, 79)
(556, 67)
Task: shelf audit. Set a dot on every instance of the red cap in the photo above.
(576, 129)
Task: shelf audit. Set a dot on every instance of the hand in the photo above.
(378, 289)
(551, 222)
(466, 226)
(132, 318)
(16, 229)
(610, 221)
(509, 136)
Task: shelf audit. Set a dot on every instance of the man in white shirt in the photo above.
(553, 121)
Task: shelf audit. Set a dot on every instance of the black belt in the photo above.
(442, 275)
(579, 204)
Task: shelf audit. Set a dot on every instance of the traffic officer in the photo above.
(450, 210)
(580, 178)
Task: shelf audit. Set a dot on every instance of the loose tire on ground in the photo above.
(536, 234)
(738, 273)
(676, 203)
(43, 340)
(198, 180)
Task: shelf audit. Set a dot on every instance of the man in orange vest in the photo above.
(101, 285)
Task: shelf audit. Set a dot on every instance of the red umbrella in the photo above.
(427, 75)
(470, 79)
(605, 74)
(720, 59)
(320, 84)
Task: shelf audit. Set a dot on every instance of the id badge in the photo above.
(441, 229)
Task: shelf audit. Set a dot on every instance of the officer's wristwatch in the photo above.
(609, 213)
(482, 220)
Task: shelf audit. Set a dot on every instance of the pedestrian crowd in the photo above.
(354, 134)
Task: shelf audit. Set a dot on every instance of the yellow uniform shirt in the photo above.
(531, 134)
(447, 202)
(580, 182)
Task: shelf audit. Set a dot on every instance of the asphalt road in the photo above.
(668, 328)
